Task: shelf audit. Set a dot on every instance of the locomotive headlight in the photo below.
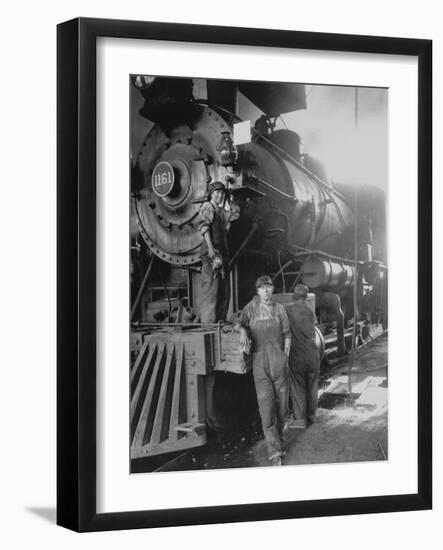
(226, 149)
(225, 153)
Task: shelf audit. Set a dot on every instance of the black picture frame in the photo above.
(76, 294)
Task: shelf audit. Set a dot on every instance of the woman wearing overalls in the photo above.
(270, 337)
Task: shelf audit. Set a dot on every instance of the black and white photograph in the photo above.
(221, 300)
(258, 273)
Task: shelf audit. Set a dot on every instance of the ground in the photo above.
(347, 429)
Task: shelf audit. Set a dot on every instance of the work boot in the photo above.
(297, 423)
(312, 420)
(276, 460)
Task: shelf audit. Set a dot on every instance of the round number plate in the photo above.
(162, 179)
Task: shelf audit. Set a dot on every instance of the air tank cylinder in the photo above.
(318, 272)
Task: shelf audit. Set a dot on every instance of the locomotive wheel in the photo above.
(234, 402)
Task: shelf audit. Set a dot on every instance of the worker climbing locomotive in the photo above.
(282, 216)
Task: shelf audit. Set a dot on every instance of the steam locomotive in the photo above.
(294, 224)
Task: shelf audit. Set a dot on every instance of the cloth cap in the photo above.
(216, 186)
(263, 280)
(300, 291)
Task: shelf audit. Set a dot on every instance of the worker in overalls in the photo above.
(264, 325)
(214, 220)
(304, 360)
